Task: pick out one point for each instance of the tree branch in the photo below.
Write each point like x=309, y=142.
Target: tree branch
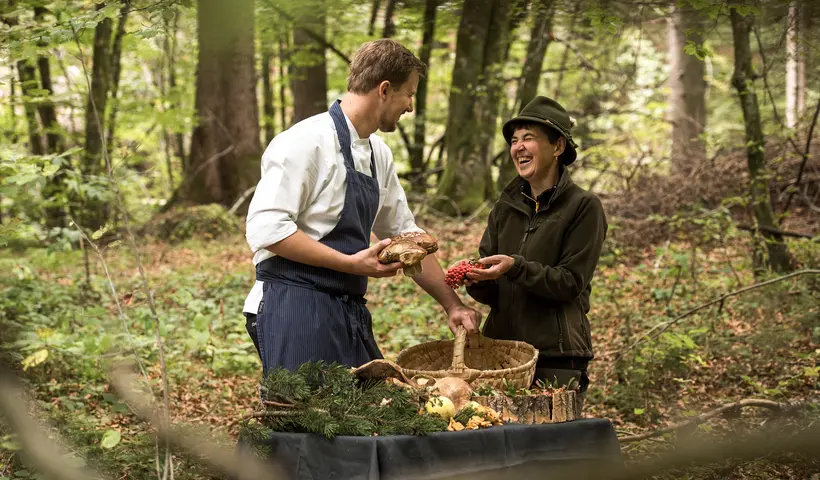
x=319, y=38
x=805, y=160
x=663, y=326
x=749, y=402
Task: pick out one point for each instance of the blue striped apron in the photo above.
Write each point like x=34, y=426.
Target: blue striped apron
x=313, y=313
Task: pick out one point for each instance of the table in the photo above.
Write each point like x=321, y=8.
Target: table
x=574, y=449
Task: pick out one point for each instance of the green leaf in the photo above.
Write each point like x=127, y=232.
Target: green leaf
x=35, y=359
x=639, y=411
x=99, y=233
x=110, y=439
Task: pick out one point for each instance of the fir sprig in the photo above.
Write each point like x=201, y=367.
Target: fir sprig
x=329, y=400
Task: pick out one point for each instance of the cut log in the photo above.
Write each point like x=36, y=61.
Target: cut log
x=559, y=407
x=571, y=405
x=525, y=409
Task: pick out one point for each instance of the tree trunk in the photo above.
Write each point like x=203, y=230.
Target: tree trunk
x=742, y=79
x=269, y=114
x=417, y=165
x=480, y=45
x=170, y=45
x=540, y=38
x=795, y=66
x=374, y=13
x=308, y=78
x=687, y=99
x=225, y=147
x=54, y=190
x=284, y=48
x=12, y=105
x=389, y=26
x=48, y=115
x=116, y=55
x=28, y=83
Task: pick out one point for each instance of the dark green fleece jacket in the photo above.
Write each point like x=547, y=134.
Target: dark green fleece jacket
x=544, y=298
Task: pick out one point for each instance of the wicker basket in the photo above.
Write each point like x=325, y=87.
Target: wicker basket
x=484, y=361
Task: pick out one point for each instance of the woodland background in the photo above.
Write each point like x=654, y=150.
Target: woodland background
x=130, y=139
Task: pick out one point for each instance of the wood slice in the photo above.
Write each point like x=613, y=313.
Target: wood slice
x=559, y=407
x=571, y=406
x=525, y=409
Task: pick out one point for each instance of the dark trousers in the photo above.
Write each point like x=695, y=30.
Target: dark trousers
x=250, y=326
x=559, y=371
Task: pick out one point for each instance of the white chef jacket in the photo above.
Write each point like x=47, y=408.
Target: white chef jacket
x=303, y=187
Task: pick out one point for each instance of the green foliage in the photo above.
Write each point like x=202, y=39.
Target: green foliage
x=330, y=400
x=206, y=222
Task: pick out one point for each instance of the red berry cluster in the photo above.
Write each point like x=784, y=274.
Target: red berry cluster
x=455, y=275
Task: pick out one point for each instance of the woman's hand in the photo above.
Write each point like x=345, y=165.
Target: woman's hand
x=497, y=265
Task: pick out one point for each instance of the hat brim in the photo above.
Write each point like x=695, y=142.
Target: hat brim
x=570, y=152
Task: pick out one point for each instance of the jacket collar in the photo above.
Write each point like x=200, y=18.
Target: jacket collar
x=513, y=195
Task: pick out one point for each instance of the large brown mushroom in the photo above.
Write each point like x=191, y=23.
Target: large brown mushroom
x=409, y=249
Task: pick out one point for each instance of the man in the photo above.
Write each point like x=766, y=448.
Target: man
x=327, y=182
x=541, y=246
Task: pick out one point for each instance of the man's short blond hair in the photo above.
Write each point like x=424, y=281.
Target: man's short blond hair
x=380, y=60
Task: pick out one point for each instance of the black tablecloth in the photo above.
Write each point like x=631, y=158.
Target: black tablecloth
x=575, y=449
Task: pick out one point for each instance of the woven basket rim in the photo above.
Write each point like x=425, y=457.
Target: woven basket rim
x=527, y=367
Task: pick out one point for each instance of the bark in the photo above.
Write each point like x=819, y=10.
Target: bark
x=283, y=60
x=269, y=114
x=795, y=67
x=116, y=56
x=53, y=209
x=540, y=38
x=94, y=210
x=12, y=105
x=777, y=254
x=480, y=45
x=687, y=100
x=28, y=83
x=308, y=75
x=170, y=55
x=417, y=164
x=225, y=147
x=97, y=98
x=48, y=114
x=389, y=26
x=374, y=13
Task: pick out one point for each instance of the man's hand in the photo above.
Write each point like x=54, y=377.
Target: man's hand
x=499, y=265
x=367, y=262
x=464, y=315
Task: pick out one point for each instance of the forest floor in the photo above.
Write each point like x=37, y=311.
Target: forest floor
x=65, y=329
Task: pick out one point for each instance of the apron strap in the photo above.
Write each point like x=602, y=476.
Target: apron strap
x=343, y=134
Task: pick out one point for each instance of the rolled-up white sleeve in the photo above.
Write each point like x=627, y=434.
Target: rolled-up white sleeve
x=289, y=175
x=395, y=216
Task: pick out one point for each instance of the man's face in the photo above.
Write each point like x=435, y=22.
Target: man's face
x=533, y=154
x=398, y=102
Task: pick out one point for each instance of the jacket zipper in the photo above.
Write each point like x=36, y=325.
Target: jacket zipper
x=560, y=331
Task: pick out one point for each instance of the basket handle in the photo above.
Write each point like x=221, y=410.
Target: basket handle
x=458, y=349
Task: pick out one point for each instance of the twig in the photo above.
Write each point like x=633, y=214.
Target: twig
x=241, y=199
x=227, y=461
x=319, y=38
x=699, y=452
x=749, y=402
x=38, y=448
x=663, y=326
x=774, y=231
